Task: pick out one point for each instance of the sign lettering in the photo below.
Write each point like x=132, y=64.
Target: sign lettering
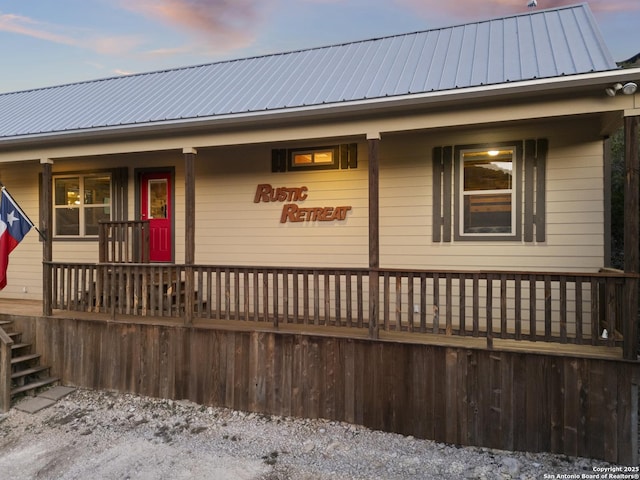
x=291, y=212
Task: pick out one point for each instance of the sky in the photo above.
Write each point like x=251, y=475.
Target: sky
x=53, y=42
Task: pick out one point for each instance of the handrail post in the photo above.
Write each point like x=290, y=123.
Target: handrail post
x=46, y=221
x=374, y=231
x=631, y=232
x=5, y=371
x=189, y=154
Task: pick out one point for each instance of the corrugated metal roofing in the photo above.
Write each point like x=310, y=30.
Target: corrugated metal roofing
x=538, y=44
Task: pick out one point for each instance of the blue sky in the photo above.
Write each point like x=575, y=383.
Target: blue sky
x=52, y=42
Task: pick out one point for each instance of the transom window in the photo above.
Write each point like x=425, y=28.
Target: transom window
x=80, y=202
x=488, y=197
x=314, y=158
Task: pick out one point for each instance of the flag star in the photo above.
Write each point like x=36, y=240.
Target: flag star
x=11, y=218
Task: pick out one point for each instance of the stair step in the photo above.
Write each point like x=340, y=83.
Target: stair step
x=16, y=346
x=25, y=358
x=34, y=385
x=14, y=335
x=5, y=322
x=29, y=371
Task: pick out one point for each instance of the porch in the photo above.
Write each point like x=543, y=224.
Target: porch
x=581, y=314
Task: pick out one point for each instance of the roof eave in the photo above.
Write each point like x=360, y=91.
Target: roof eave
x=380, y=104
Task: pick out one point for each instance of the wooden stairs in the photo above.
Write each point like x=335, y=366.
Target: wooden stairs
x=27, y=375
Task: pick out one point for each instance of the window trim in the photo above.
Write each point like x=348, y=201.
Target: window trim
x=334, y=165
x=517, y=192
x=81, y=220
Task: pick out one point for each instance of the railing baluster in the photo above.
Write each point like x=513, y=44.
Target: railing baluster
x=610, y=320
x=436, y=303
x=359, y=290
x=327, y=299
x=503, y=306
x=398, y=319
x=449, y=304
x=563, y=309
x=476, y=304
x=423, y=302
x=316, y=298
x=236, y=294
x=462, y=288
x=489, y=311
x=578, y=309
x=518, y=306
x=533, y=300
x=337, y=288
x=547, y=308
x=410, y=301
x=276, y=297
x=305, y=298
x=296, y=298
x=595, y=311
x=349, y=299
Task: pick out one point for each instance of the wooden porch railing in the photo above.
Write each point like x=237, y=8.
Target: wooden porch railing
x=123, y=242
x=5, y=371
x=574, y=308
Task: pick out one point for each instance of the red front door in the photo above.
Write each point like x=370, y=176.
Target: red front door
x=155, y=206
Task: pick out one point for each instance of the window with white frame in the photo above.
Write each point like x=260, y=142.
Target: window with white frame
x=487, y=190
x=80, y=202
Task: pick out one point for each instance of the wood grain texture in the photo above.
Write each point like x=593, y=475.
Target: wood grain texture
x=497, y=399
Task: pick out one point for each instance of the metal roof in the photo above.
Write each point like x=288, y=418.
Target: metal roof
x=538, y=44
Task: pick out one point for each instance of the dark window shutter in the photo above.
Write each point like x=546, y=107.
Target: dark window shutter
x=541, y=197
x=344, y=156
x=353, y=155
x=442, y=162
x=529, y=188
x=436, y=222
x=447, y=172
x=278, y=160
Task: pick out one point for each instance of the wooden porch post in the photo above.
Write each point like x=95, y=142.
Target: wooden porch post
x=631, y=238
x=46, y=221
x=374, y=234
x=189, y=234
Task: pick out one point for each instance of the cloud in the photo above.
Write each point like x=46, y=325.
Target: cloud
x=75, y=37
x=493, y=8
x=32, y=28
x=222, y=24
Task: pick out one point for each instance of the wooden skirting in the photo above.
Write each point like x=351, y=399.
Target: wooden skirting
x=469, y=396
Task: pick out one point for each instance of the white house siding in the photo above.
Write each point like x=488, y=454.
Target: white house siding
x=575, y=204
x=233, y=230
x=24, y=276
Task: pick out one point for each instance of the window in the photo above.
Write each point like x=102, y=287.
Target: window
x=487, y=189
x=80, y=202
x=315, y=158
x=490, y=192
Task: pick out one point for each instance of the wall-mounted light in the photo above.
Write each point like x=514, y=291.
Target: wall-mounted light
x=628, y=88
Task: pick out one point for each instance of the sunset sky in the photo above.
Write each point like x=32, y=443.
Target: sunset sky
x=52, y=42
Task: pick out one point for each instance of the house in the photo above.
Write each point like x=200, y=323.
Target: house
x=409, y=232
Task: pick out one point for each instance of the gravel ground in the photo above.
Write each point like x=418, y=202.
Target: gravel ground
x=104, y=435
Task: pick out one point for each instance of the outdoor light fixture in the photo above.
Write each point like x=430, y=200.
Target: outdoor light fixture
x=628, y=88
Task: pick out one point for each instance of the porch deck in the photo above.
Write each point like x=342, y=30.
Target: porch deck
x=11, y=308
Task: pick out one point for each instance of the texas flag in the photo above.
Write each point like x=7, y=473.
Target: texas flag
x=14, y=225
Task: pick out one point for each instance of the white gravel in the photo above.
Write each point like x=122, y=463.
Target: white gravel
x=104, y=435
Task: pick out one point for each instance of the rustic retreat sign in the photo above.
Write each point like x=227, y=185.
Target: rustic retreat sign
x=291, y=212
